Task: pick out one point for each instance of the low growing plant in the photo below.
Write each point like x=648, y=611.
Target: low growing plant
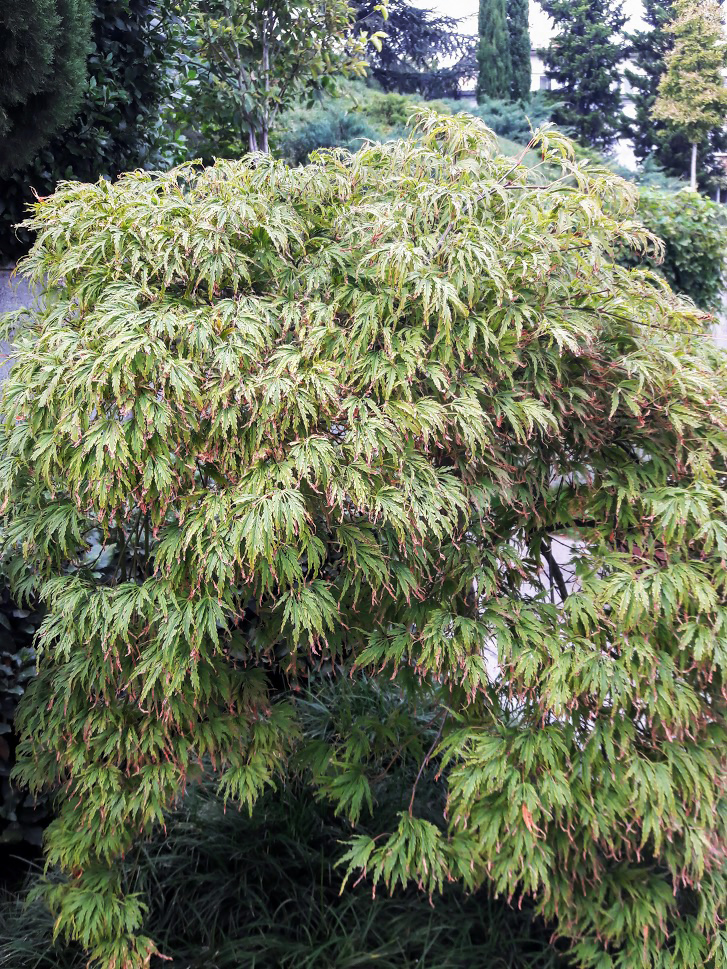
x=335, y=420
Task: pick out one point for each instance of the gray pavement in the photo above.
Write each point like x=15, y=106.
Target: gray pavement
x=14, y=294
x=14, y=291
x=720, y=331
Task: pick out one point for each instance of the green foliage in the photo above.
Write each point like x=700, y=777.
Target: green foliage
x=359, y=112
x=119, y=125
x=43, y=46
x=252, y=59
x=356, y=114
x=692, y=97
x=648, y=50
x=584, y=57
x=416, y=42
x=237, y=892
x=653, y=143
x=694, y=233
x=21, y=818
x=328, y=125
x=515, y=120
x=494, y=78
x=338, y=419
x=518, y=28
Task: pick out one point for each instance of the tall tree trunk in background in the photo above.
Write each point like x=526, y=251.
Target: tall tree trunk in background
x=693, y=178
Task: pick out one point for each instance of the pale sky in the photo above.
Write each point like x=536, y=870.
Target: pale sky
x=539, y=23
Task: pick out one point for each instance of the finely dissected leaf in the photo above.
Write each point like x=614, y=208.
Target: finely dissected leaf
x=382, y=472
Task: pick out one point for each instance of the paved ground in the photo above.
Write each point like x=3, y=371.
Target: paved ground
x=13, y=294
x=720, y=332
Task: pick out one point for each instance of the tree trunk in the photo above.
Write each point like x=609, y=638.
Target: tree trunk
x=264, y=146
x=693, y=179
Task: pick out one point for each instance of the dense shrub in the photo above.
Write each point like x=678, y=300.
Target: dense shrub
x=333, y=421
x=332, y=124
x=120, y=124
x=230, y=890
x=43, y=47
x=21, y=817
x=356, y=113
x=359, y=112
x=515, y=120
x=694, y=232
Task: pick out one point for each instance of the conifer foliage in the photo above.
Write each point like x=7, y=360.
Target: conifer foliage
x=692, y=97
x=334, y=420
x=43, y=47
x=415, y=41
x=518, y=29
x=584, y=59
x=493, y=51
x=650, y=136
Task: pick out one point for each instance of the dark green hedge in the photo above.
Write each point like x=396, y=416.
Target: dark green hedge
x=43, y=48
x=121, y=122
x=694, y=231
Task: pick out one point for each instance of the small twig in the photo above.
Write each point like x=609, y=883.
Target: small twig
x=554, y=569
x=630, y=319
x=425, y=762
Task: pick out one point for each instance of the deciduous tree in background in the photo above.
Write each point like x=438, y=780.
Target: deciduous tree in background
x=43, y=48
x=255, y=57
x=494, y=79
x=331, y=421
x=692, y=98
x=584, y=57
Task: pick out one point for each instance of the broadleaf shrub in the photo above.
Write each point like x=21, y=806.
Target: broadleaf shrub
x=694, y=232
x=22, y=817
x=233, y=890
x=395, y=414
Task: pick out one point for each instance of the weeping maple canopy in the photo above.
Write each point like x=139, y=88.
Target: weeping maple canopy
x=273, y=427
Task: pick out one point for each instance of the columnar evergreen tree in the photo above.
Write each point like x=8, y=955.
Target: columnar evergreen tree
x=518, y=28
x=494, y=79
x=43, y=48
x=648, y=49
x=584, y=58
x=417, y=41
x=335, y=420
x=133, y=69
x=692, y=97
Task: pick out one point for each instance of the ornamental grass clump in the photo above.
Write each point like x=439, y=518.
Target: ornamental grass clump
x=275, y=426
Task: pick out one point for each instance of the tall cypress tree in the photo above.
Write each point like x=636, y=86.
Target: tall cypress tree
x=493, y=51
x=518, y=29
x=583, y=58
